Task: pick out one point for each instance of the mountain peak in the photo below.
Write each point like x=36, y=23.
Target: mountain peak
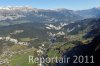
x=15, y=7
x=97, y=7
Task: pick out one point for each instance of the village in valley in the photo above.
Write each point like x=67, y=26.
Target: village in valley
x=15, y=41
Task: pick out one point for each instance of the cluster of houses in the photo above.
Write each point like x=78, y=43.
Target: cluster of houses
x=15, y=41
x=41, y=49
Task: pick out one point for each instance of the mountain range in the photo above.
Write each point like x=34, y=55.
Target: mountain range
x=27, y=30
x=17, y=15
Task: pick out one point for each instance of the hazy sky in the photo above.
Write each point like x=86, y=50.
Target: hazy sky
x=52, y=4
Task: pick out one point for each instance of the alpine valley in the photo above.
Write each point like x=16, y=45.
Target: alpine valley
x=28, y=31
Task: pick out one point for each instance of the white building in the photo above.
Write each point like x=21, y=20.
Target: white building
x=14, y=40
x=1, y=38
x=7, y=38
x=23, y=43
x=39, y=51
